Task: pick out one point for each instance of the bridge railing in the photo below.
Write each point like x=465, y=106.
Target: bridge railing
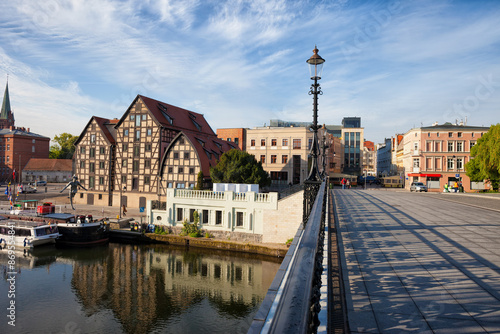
x=292, y=301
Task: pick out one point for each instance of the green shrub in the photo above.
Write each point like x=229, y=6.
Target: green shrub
x=191, y=229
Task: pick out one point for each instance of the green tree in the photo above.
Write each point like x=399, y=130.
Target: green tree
x=199, y=181
x=64, y=146
x=485, y=164
x=237, y=166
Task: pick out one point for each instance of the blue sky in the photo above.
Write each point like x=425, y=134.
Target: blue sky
x=241, y=63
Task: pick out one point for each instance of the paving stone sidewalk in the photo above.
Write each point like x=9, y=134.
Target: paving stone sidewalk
x=417, y=264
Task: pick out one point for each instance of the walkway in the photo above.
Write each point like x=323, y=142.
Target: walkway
x=415, y=263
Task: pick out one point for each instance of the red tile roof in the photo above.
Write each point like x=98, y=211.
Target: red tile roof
x=50, y=164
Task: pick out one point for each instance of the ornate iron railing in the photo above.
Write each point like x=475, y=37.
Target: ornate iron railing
x=292, y=301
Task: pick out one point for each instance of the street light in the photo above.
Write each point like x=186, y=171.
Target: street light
x=325, y=146
x=315, y=68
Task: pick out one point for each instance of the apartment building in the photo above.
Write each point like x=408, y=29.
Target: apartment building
x=436, y=155
x=283, y=152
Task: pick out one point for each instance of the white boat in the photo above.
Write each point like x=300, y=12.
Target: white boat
x=27, y=234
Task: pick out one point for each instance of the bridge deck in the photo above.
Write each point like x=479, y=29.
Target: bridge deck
x=415, y=263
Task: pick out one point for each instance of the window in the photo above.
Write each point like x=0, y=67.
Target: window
x=32, y=149
x=284, y=159
x=472, y=143
x=147, y=163
x=125, y=147
x=450, y=146
x=82, y=164
x=124, y=163
x=186, y=155
x=460, y=146
x=239, y=219
x=146, y=179
x=137, y=135
x=228, y=139
x=91, y=181
x=8, y=147
x=263, y=159
x=274, y=142
x=92, y=152
x=91, y=167
x=191, y=170
x=170, y=170
x=101, y=164
x=450, y=134
x=416, y=162
x=148, y=147
x=101, y=180
x=262, y=142
x=92, y=138
x=309, y=143
x=82, y=150
x=179, y=214
x=176, y=155
x=205, y=216
x=284, y=142
x=124, y=180
x=132, y=117
x=252, y=142
x=180, y=170
x=459, y=134
x=138, y=121
x=149, y=132
x=273, y=159
x=135, y=167
x=451, y=163
x=218, y=217
x=191, y=215
x=460, y=163
x=137, y=151
x=296, y=144
x=125, y=132
x=102, y=150
x=236, y=141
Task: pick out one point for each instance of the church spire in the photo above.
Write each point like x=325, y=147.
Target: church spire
x=6, y=116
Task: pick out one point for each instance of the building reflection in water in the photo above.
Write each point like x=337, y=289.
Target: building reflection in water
x=158, y=287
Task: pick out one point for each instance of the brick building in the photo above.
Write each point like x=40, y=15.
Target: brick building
x=17, y=145
x=235, y=135
x=153, y=146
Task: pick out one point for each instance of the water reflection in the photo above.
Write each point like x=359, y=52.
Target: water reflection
x=149, y=289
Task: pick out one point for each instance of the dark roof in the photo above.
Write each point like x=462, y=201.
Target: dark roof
x=171, y=116
x=49, y=164
x=450, y=126
x=21, y=132
x=6, y=111
x=209, y=149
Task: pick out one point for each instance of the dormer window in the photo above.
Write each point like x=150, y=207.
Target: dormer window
x=163, y=110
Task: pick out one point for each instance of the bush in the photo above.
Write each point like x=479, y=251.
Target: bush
x=191, y=229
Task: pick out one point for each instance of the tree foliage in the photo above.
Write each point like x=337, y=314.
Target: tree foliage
x=199, y=181
x=237, y=166
x=485, y=164
x=63, y=147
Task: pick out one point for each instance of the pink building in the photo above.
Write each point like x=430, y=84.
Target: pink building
x=436, y=155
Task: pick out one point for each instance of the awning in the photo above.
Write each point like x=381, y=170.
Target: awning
x=424, y=175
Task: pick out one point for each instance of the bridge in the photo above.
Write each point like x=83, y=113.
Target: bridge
x=389, y=262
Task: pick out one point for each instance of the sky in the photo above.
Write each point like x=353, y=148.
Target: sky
x=395, y=64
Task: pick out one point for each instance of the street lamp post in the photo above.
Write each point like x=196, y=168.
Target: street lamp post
x=315, y=68
x=313, y=181
x=325, y=146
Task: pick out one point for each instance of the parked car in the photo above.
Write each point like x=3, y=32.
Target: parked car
x=41, y=183
x=418, y=186
x=28, y=190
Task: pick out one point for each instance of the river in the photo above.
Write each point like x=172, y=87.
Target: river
x=123, y=288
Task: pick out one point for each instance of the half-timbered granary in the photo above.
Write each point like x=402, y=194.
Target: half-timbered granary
x=153, y=146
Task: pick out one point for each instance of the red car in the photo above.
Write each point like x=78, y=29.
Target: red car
x=46, y=208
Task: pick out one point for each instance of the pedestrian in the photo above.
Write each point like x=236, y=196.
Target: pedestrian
x=343, y=183
x=455, y=187
x=348, y=183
